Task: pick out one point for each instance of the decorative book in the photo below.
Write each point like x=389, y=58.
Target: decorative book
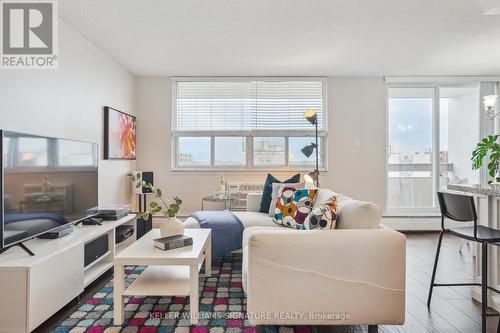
x=173, y=242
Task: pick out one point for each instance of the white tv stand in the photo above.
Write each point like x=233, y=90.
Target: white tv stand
x=33, y=288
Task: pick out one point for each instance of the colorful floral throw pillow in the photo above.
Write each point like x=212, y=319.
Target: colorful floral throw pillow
x=323, y=216
x=293, y=206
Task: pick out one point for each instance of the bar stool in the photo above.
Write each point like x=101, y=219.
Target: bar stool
x=461, y=208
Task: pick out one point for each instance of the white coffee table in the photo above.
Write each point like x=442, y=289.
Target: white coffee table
x=168, y=273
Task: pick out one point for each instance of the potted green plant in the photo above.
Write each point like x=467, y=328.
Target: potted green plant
x=488, y=147
x=170, y=225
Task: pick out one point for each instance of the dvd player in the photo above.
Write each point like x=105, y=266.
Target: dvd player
x=114, y=212
x=123, y=232
x=58, y=233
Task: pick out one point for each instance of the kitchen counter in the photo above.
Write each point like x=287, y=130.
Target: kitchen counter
x=486, y=189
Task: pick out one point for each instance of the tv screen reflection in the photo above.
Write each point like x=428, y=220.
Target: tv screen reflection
x=48, y=183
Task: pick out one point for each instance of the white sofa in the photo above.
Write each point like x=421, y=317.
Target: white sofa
x=353, y=275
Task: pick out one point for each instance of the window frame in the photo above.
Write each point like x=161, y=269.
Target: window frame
x=248, y=135
x=436, y=144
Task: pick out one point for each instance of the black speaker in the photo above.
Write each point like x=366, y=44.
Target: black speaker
x=143, y=226
x=146, y=176
x=95, y=249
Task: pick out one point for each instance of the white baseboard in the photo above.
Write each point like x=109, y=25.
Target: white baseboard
x=424, y=223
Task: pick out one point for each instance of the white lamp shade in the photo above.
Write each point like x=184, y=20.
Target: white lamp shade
x=311, y=177
x=309, y=113
x=489, y=101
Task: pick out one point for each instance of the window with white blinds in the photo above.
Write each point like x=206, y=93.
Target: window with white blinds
x=245, y=122
x=247, y=105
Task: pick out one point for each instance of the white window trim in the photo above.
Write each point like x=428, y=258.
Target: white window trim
x=398, y=81
x=248, y=135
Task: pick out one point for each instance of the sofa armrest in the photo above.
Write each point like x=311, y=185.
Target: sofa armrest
x=357, y=273
x=253, y=202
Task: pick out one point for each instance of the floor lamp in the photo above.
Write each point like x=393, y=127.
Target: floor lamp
x=312, y=176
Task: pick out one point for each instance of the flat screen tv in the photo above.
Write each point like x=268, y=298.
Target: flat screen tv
x=46, y=183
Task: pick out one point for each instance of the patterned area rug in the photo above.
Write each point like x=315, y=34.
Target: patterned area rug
x=222, y=307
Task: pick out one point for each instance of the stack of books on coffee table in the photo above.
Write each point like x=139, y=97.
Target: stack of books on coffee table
x=173, y=242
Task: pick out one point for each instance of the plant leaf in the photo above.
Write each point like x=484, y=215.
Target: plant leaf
x=481, y=151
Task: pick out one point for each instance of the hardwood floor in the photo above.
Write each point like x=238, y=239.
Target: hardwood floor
x=452, y=309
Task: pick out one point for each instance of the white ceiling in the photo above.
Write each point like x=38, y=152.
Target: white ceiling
x=292, y=37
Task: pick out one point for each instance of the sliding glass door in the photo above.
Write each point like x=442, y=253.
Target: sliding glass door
x=410, y=171
x=431, y=133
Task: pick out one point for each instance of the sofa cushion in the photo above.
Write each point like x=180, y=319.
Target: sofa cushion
x=276, y=190
x=351, y=213
x=324, y=194
x=293, y=206
x=323, y=216
x=356, y=214
x=268, y=189
x=248, y=219
x=256, y=219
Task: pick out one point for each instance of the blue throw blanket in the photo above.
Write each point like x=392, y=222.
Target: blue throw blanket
x=227, y=230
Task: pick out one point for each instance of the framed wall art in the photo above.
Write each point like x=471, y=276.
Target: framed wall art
x=119, y=135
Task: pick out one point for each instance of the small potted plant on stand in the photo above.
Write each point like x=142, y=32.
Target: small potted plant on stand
x=169, y=226
x=488, y=147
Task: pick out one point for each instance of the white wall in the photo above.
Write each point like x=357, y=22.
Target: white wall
x=356, y=107
x=68, y=103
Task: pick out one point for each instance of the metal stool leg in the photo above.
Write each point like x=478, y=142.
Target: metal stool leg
x=434, y=268
x=484, y=285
